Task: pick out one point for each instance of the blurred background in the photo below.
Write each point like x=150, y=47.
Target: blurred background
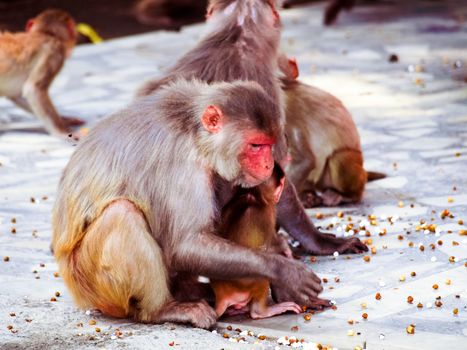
x=115, y=18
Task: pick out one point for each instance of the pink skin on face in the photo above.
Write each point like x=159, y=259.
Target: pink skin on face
x=256, y=158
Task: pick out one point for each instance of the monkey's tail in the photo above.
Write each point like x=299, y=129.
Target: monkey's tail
x=374, y=175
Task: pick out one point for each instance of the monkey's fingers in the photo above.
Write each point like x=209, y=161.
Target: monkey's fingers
x=354, y=246
x=318, y=304
x=327, y=244
x=72, y=121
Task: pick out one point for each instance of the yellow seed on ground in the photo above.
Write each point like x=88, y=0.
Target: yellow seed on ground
x=410, y=329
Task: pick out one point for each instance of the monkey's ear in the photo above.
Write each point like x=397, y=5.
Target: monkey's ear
x=293, y=68
x=279, y=189
x=29, y=25
x=209, y=11
x=212, y=119
x=71, y=27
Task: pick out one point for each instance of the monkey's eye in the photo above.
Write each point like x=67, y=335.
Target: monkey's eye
x=256, y=147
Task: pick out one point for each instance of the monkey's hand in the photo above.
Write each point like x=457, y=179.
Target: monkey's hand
x=281, y=246
x=314, y=303
x=327, y=244
x=298, y=284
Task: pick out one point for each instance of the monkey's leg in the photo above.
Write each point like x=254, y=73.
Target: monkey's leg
x=256, y=311
x=344, y=178
x=259, y=307
x=41, y=106
x=279, y=245
x=21, y=102
x=293, y=218
x=333, y=9
x=119, y=268
x=72, y=121
x=302, y=164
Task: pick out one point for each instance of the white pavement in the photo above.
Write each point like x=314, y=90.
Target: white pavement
x=412, y=118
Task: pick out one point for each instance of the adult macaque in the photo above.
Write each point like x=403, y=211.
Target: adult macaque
x=249, y=219
x=136, y=205
x=30, y=61
x=324, y=144
x=243, y=44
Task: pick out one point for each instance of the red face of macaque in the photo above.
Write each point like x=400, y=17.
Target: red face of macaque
x=256, y=159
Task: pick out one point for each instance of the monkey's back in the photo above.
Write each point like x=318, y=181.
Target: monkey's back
x=317, y=116
x=115, y=161
x=15, y=48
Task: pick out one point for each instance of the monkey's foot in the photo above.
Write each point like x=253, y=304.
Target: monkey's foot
x=310, y=199
x=199, y=314
x=273, y=310
x=318, y=304
x=331, y=198
x=237, y=311
x=72, y=121
x=327, y=244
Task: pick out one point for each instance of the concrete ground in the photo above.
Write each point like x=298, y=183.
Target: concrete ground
x=412, y=118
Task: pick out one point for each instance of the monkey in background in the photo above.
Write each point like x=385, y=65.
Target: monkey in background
x=333, y=8
x=324, y=144
x=249, y=219
x=30, y=61
x=169, y=13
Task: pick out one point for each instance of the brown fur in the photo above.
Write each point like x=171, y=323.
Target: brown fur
x=30, y=61
x=249, y=219
x=136, y=203
x=324, y=145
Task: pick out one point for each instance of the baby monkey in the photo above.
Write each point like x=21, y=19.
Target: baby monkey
x=30, y=61
x=249, y=219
